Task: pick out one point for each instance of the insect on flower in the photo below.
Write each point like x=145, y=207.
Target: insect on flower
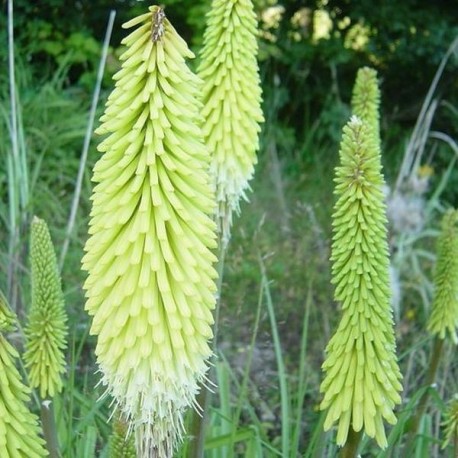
x=157, y=25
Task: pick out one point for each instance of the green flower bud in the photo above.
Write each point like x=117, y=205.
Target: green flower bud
x=122, y=445
x=444, y=315
x=362, y=381
x=232, y=102
x=19, y=430
x=46, y=330
x=365, y=102
x=151, y=282
x=450, y=423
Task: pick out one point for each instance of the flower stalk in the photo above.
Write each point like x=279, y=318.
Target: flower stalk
x=151, y=282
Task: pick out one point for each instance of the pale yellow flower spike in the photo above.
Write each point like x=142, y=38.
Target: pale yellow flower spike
x=151, y=282
x=232, y=103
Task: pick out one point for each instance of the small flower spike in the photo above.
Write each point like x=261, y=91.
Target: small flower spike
x=46, y=330
x=232, y=103
x=151, y=281
x=362, y=381
x=444, y=316
x=121, y=444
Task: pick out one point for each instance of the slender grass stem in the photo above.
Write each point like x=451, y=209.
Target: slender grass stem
x=200, y=419
x=246, y=373
x=350, y=449
x=49, y=428
x=87, y=140
x=282, y=378
x=13, y=162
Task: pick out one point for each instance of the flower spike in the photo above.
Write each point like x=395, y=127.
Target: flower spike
x=232, y=103
x=151, y=281
x=46, y=330
x=444, y=316
x=362, y=381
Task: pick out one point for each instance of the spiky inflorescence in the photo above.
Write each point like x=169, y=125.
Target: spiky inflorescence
x=46, y=330
x=122, y=445
x=365, y=102
x=19, y=430
x=362, y=381
x=444, y=316
x=232, y=103
x=450, y=424
x=151, y=282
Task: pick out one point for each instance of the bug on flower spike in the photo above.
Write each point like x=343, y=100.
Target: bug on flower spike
x=157, y=25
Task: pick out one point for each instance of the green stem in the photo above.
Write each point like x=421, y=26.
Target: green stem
x=350, y=449
x=436, y=354
x=49, y=428
x=200, y=419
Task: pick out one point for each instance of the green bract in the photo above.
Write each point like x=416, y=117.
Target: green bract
x=46, y=329
x=232, y=102
x=150, y=285
x=362, y=381
x=19, y=431
x=444, y=316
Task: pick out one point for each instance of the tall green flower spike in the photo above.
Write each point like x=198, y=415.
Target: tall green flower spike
x=365, y=102
x=151, y=282
x=362, y=381
x=46, y=330
x=232, y=103
x=19, y=430
x=444, y=316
